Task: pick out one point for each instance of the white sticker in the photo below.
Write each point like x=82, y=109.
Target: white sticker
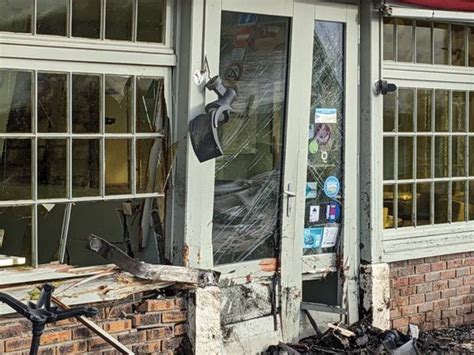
x=313, y=213
x=127, y=208
x=198, y=77
x=48, y=206
x=2, y=234
x=325, y=115
x=330, y=237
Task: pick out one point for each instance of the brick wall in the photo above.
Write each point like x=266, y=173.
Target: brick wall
x=435, y=292
x=155, y=326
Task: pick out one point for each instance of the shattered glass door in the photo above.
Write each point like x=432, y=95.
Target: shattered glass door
x=248, y=177
x=325, y=172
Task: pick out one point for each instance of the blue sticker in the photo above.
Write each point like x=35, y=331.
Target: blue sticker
x=247, y=19
x=331, y=186
x=311, y=191
x=333, y=212
x=313, y=237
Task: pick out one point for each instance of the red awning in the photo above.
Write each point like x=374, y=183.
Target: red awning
x=450, y=5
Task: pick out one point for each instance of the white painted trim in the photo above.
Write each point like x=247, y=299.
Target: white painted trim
x=266, y=7
x=423, y=14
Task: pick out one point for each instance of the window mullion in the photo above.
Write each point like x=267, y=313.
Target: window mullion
x=102, y=139
x=450, y=156
x=34, y=175
x=133, y=164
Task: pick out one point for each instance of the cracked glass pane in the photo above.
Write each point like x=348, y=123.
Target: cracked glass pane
x=254, y=60
x=324, y=195
x=15, y=235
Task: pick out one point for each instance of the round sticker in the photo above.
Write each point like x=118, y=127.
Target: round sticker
x=313, y=147
x=331, y=186
x=323, y=133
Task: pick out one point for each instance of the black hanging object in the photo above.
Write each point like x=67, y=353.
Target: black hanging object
x=203, y=128
x=384, y=87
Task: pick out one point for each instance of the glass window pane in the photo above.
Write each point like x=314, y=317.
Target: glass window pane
x=86, y=18
x=405, y=205
x=471, y=46
x=388, y=39
x=441, y=202
x=471, y=155
x=423, y=204
x=405, y=40
x=117, y=166
x=150, y=21
x=16, y=15
x=459, y=111
x=471, y=111
x=405, y=110
x=119, y=20
x=52, y=168
x=458, y=44
x=459, y=201
x=85, y=103
x=148, y=166
x=423, y=110
x=441, y=157
x=148, y=104
x=459, y=153
x=405, y=158
x=248, y=175
x=441, y=111
x=16, y=100
x=423, y=155
x=16, y=229
x=388, y=196
x=52, y=102
x=118, y=104
x=389, y=112
x=388, y=158
x=15, y=169
x=51, y=17
x=50, y=223
x=471, y=200
x=441, y=43
x=423, y=42
x=85, y=167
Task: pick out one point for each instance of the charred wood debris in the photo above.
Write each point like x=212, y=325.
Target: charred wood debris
x=362, y=338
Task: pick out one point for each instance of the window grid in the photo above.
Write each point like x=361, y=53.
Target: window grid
x=395, y=183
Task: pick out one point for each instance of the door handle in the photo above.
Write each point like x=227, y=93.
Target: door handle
x=289, y=196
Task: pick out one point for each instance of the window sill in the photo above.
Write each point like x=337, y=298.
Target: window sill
x=422, y=242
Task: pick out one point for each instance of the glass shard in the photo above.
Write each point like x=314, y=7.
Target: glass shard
x=118, y=104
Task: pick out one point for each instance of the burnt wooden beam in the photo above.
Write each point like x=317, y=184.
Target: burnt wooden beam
x=151, y=272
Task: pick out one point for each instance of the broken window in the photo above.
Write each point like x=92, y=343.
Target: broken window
x=248, y=177
x=90, y=139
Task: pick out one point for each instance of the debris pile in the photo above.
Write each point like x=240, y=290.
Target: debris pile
x=362, y=338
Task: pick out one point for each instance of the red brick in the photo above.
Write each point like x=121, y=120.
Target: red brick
x=433, y=276
x=441, y=323
x=456, y=320
x=171, y=343
x=463, y=271
x=399, y=282
x=407, y=291
x=132, y=337
x=73, y=347
x=408, y=310
x=469, y=298
x=16, y=344
x=180, y=303
x=432, y=296
x=416, y=261
x=433, y=315
x=416, y=279
x=451, y=292
x=81, y=333
x=439, y=265
x=399, y=264
x=463, y=290
x=469, y=318
x=406, y=271
x=416, y=299
x=400, y=322
x=424, y=288
x=395, y=313
x=454, y=264
x=464, y=309
x=425, y=307
x=174, y=316
x=423, y=268
x=432, y=259
x=146, y=319
x=157, y=305
x=117, y=325
x=469, y=280
x=10, y=331
x=47, y=350
x=417, y=319
x=446, y=313
x=440, y=304
x=180, y=329
x=448, y=274
x=399, y=301
x=453, y=283
x=456, y=301
x=440, y=285
x=55, y=337
x=97, y=343
x=117, y=311
x=159, y=333
x=146, y=348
